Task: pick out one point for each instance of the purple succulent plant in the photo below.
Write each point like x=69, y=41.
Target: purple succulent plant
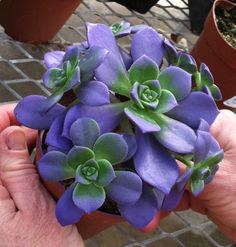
x=130, y=121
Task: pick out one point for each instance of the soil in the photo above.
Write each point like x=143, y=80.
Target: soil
x=226, y=21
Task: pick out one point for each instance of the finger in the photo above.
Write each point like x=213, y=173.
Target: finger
x=18, y=173
x=7, y=116
x=31, y=137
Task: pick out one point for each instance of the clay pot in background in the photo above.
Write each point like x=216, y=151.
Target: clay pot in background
x=212, y=49
x=35, y=21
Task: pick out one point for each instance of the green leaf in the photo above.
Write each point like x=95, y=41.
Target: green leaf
x=78, y=156
x=112, y=147
x=196, y=186
x=143, y=69
x=106, y=173
x=88, y=197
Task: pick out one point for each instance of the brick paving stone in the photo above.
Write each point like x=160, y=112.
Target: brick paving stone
x=5, y=95
x=172, y=223
x=8, y=73
x=33, y=70
x=194, y=238
x=70, y=35
x=212, y=230
x=26, y=88
x=193, y=218
x=36, y=51
x=136, y=234
x=111, y=237
x=9, y=51
x=165, y=242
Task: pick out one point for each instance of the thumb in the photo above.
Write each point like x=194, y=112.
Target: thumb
x=18, y=173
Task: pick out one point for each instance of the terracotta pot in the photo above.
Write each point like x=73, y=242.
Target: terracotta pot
x=35, y=21
x=212, y=49
x=90, y=224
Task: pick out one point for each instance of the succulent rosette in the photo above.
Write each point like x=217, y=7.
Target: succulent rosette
x=129, y=122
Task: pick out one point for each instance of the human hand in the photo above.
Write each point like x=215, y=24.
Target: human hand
x=218, y=200
x=27, y=212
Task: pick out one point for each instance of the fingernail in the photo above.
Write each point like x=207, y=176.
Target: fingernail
x=16, y=140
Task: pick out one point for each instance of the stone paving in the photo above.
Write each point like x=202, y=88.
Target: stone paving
x=21, y=69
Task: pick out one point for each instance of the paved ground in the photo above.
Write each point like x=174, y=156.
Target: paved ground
x=21, y=69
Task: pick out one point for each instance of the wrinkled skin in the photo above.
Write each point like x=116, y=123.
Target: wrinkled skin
x=27, y=212
x=217, y=201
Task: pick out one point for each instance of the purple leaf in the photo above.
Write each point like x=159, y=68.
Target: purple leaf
x=142, y=120
x=84, y=132
x=127, y=59
x=132, y=145
x=143, y=211
x=126, y=188
x=143, y=69
x=196, y=106
x=147, y=42
x=88, y=197
x=64, y=205
x=177, y=81
x=206, y=75
x=204, y=126
x=28, y=112
x=54, y=137
x=53, y=166
x=202, y=146
x=107, y=116
x=170, y=52
x=116, y=79
x=112, y=147
x=154, y=164
x=53, y=59
x=172, y=200
x=93, y=93
x=174, y=135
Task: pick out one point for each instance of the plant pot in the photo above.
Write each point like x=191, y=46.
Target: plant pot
x=212, y=49
x=35, y=21
x=90, y=224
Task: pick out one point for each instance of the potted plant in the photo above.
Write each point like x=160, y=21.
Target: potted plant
x=112, y=150
x=214, y=50
x=35, y=21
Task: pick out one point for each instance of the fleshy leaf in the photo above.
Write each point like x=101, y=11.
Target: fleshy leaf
x=106, y=173
x=127, y=59
x=203, y=105
x=53, y=59
x=88, y=197
x=202, y=146
x=152, y=161
x=143, y=69
x=53, y=166
x=116, y=79
x=132, y=145
x=107, y=116
x=54, y=137
x=167, y=102
x=93, y=93
x=64, y=205
x=147, y=42
x=90, y=60
x=197, y=186
x=126, y=188
x=170, y=52
x=143, y=211
x=78, y=156
x=206, y=75
x=174, y=135
x=142, y=120
x=112, y=147
x=28, y=112
x=172, y=200
x=84, y=132
x=177, y=81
